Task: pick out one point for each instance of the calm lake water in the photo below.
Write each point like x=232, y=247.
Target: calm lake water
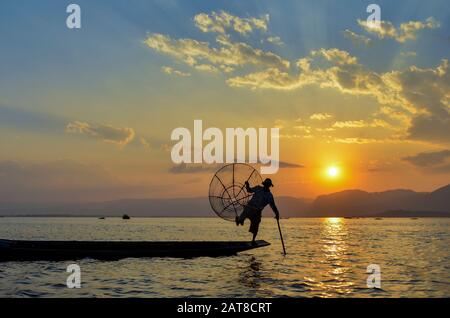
x=326, y=258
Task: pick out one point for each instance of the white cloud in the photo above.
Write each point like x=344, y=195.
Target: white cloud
x=357, y=140
x=320, y=116
x=171, y=71
x=304, y=128
x=357, y=39
x=417, y=97
x=276, y=40
x=205, y=57
x=350, y=124
x=106, y=133
x=223, y=21
x=360, y=124
x=271, y=78
x=210, y=68
x=406, y=31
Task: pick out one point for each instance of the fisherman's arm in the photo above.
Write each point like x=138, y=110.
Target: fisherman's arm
x=274, y=208
x=248, y=188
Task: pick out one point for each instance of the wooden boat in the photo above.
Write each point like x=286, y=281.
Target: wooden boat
x=113, y=250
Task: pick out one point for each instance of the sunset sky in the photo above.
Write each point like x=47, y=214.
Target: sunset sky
x=87, y=114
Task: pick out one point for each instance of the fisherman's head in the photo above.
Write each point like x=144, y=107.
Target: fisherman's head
x=267, y=183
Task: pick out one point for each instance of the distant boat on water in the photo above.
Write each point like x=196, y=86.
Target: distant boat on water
x=125, y=217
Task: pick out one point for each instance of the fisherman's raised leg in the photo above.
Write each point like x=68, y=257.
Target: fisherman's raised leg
x=241, y=218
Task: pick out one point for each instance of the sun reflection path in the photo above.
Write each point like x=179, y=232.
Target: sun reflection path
x=335, y=257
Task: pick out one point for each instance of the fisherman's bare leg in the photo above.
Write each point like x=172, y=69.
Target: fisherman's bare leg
x=241, y=218
x=254, y=227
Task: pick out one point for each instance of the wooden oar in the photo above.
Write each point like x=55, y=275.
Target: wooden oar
x=281, y=236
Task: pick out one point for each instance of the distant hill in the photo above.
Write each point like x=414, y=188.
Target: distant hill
x=389, y=203
x=349, y=203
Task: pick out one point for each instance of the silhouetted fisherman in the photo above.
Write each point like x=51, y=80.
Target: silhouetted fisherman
x=253, y=210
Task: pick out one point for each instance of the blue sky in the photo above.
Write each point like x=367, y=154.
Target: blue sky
x=38, y=41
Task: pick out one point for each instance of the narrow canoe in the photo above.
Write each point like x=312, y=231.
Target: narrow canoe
x=12, y=250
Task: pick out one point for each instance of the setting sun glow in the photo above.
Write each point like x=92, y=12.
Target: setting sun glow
x=333, y=172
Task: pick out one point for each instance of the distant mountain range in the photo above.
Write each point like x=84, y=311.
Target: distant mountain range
x=398, y=203
x=349, y=203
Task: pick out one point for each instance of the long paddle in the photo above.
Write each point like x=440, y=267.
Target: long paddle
x=281, y=236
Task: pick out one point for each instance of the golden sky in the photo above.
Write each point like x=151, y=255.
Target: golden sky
x=87, y=114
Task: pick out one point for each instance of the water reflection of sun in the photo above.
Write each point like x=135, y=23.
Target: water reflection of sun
x=334, y=237
x=335, y=253
x=333, y=220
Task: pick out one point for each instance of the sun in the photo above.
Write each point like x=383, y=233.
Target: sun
x=333, y=172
